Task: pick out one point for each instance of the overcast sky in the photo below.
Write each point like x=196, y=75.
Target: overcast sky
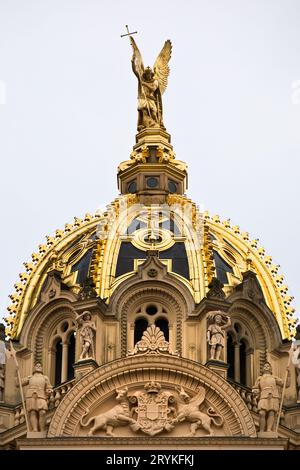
x=68, y=114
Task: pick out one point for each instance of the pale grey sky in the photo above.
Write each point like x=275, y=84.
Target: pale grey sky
x=68, y=116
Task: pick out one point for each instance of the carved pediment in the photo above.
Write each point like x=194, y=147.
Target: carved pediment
x=53, y=287
x=250, y=288
x=152, y=268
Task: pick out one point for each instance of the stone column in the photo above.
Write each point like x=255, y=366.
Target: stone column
x=64, y=362
x=249, y=367
x=51, y=361
x=130, y=340
x=237, y=375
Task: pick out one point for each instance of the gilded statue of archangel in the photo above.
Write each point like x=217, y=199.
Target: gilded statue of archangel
x=151, y=85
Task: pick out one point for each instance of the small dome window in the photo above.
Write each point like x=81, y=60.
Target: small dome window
x=152, y=182
x=132, y=187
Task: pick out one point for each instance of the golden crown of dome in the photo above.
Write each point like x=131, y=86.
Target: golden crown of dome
x=208, y=241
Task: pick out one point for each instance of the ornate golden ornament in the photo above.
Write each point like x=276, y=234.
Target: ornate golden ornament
x=144, y=239
x=151, y=85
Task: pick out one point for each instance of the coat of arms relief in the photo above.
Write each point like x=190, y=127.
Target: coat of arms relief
x=154, y=410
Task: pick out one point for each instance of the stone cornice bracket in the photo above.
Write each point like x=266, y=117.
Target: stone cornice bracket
x=153, y=342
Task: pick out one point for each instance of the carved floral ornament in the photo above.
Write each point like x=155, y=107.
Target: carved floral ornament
x=154, y=410
x=153, y=342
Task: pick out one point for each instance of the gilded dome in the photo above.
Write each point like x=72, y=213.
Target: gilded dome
x=101, y=251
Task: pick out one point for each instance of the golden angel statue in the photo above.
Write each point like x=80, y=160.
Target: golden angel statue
x=151, y=85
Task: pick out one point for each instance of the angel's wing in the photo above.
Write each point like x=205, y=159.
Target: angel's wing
x=137, y=61
x=161, y=68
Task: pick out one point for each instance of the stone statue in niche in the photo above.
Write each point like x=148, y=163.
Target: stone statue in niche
x=218, y=322
x=87, y=329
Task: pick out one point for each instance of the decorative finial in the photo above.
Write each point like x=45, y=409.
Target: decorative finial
x=249, y=262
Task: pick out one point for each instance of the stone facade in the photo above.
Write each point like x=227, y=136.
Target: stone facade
x=152, y=323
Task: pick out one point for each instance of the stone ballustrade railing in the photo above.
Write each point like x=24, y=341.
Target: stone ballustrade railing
x=247, y=395
x=58, y=393
x=19, y=415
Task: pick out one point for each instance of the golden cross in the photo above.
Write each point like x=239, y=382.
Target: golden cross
x=128, y=33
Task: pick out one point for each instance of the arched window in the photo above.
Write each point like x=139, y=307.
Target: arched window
x=230, y=357
x=58, y=361
x=163, y=325
x=151, y=312
x=71, y=356
x=239, y=355
x=62, y=352
x=140, y=325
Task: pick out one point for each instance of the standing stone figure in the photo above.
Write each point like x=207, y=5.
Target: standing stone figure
x=296, y=359
x=87, y=331
x=2, y=382
x=216, y=334
x=268, y=389
x=37, y=394
x=2, y=361
x=297, y=367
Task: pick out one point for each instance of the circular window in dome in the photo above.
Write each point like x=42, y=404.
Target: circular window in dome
x=151, y=310
x=172, y=186
x=132, y=187
x=152, y=182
